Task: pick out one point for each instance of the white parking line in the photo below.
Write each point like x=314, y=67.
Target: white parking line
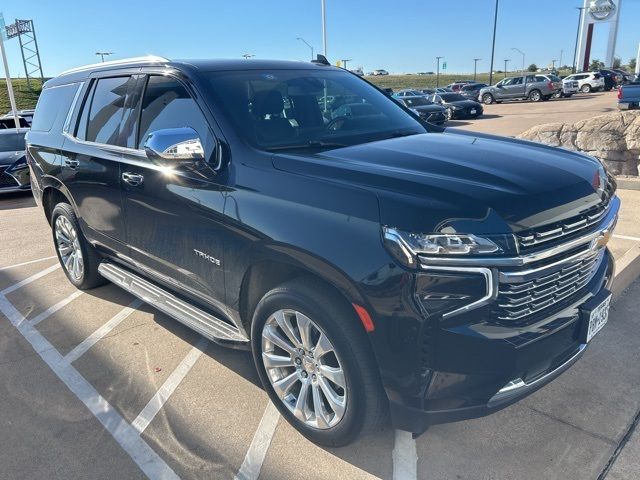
x=54, y=308
x=626, y=237
x=144, y=456
x=253, y=460
x=152, y=408
x=26, y=263
x=405, y=457
x=30, y=279
x=92, y=339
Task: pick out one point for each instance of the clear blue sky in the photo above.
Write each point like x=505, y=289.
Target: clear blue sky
x=400, y=36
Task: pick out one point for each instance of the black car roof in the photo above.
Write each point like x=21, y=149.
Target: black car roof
x=81, y=73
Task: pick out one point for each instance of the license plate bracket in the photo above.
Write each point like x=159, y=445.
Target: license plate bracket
x=594, y=315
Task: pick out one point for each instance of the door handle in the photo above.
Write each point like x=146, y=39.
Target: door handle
x=133, y=179
x=71, y=163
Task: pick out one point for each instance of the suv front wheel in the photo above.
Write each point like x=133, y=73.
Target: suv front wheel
x=586, y=88
x=316, y=363
x=487, y=99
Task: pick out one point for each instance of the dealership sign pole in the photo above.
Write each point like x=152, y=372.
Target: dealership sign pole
x=12, y=100
x=596, y=12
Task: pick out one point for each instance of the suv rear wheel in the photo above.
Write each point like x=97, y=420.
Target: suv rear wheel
x=535, y=95
x=78, y=258
x=586, y=88
x=315, y=362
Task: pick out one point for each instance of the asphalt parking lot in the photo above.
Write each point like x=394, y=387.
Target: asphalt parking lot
x=97, y=385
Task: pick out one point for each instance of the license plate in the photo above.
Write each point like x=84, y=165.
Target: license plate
x=597, y=319
x=473, y=112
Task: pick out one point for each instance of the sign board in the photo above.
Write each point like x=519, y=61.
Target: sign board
x=602, y=11
x=444, y=65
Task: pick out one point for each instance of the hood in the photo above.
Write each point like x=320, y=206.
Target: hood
x=465, y=103
x=9, y=158
x=429, y=108
x=471, y=182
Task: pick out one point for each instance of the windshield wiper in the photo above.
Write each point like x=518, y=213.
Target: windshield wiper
x=308, y=145
x=399, y=133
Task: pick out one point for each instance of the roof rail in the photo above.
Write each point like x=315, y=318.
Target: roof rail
x=124, y=61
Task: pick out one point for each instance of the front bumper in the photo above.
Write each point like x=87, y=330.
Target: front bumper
x=458, y=363
x=14, y=179
x=490, y=367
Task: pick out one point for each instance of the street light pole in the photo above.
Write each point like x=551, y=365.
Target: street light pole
x=12, y=99
x=344, y=62
x=553, y=65
x=505, y=66
x=493, y=45
x=575, y=50
x=521, y=53
x=438, y=72
x=560, y=62
x=102, y=54
x=324, y=27
x=475, y=67
x=307, y=44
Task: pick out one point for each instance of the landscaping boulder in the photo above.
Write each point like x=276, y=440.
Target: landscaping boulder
x=614, y=138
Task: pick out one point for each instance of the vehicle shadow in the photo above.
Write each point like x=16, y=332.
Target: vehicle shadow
x=9, y=201
x=371, y=453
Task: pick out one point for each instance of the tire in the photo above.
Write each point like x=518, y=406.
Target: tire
x=488, y=99
x=557, y=94
x=535, y=95
x=362, y=406
x=586, y=88
x=78, y=258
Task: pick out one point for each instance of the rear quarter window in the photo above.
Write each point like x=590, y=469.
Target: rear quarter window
x=53, y=107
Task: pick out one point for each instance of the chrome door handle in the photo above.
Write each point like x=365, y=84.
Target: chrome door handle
x=71, y=163
x=133, y=179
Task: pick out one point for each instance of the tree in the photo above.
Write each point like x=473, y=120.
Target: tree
x=632, y=64
x=532, y=68
x=596, y=64
x=617, y=62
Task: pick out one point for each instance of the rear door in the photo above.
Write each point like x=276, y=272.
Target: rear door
x=174, y=213
x=91, y=157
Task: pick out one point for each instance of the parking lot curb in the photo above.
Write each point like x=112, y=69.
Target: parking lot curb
x=628, y=270
x=627, y=182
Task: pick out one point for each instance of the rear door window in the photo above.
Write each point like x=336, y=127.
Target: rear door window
x=103, y=110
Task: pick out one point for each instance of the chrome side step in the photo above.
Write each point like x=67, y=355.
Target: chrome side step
x=202, y=322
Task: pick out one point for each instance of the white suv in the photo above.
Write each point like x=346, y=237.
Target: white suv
x=588, y=81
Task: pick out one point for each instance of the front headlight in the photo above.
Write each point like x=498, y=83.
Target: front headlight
x=406, y=245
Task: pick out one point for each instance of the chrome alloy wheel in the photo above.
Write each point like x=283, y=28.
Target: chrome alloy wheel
x=69, y=247
x=304, y=369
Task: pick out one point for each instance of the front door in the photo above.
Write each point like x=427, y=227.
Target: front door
x=174, y=213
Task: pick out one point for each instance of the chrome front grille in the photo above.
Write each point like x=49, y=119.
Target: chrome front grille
x=521, y=295
x=534, y=237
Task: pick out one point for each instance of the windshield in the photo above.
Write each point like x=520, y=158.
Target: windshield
x=416, y=101
x=451, y=97
x=12, y=142
x=278, y=109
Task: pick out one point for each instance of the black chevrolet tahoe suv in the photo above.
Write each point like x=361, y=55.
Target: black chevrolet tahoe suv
x=373, y=264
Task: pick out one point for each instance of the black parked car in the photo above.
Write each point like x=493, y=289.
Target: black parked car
x=611, y=79
x=458, y=106
x=425, y=109
x=14, y=171
x=472, y=91
x=370, y=263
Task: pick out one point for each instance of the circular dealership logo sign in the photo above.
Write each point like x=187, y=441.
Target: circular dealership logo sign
x=601, y=9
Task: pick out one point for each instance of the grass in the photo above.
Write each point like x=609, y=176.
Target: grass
x=399, y=82
x=25, y=97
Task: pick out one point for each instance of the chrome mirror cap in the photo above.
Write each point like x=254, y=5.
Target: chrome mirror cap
x=178, y=145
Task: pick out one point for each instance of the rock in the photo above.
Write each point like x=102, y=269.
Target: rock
x=614, y=138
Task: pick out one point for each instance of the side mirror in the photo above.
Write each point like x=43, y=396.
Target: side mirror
x=174, y=145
